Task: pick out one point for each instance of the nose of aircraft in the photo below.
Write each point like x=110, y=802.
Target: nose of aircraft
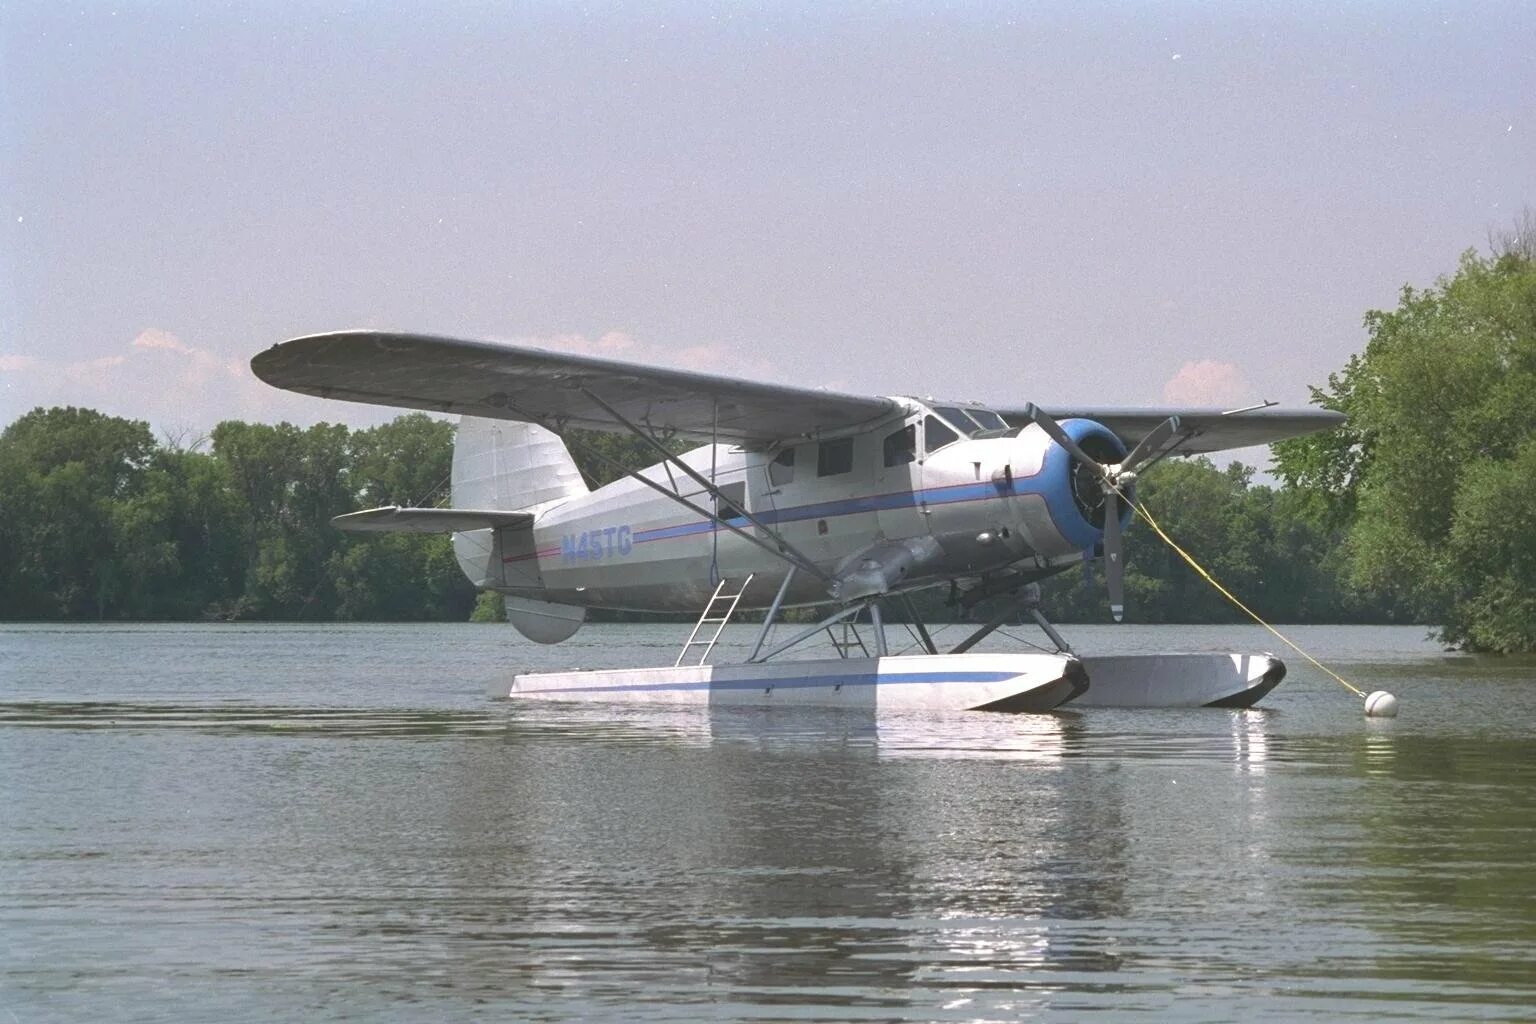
x=1088, y=491
x=1101, y=464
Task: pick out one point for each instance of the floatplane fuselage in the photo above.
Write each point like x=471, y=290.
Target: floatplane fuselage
x=906, y=504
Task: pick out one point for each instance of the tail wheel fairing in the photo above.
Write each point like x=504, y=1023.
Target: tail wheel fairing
x=544, y=622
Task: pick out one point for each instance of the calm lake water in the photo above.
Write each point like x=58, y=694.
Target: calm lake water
x=331, y=822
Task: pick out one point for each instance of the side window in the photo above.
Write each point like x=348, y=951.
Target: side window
x=733, y=498
x=901, y=447
x=782, y=469
x=834, y=457
x=936, y=434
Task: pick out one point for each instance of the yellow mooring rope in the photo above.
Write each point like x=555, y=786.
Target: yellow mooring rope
x=1141, y=510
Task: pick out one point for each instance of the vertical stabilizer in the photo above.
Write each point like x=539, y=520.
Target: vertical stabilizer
x=501, y=464
x=514, y=467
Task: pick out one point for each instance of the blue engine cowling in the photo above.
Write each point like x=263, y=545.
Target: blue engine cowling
x=1073, y=496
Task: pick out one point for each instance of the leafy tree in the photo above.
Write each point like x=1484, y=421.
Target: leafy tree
x=178, y=538
x=1440, y=412
x=63, y=469
x=1304, y=566
x=292, y=483
x=110, y=450
x=490, y=606
x=400, y=577
x=407, y=461
x=1493, y=544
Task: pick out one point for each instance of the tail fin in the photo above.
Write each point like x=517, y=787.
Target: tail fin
x=513, y=467
x=500, y=464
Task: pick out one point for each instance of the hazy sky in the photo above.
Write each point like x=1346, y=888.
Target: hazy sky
x=1123, y=204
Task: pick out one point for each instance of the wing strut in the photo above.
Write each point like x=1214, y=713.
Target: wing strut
x=786, y=551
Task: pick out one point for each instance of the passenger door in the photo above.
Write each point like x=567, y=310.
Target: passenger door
x=899, y=482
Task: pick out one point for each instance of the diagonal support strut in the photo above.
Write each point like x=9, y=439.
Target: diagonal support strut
x=785, y=550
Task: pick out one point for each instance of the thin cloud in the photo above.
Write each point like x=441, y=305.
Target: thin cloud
x=158, y=377
x=1207, y=382
x=154, y=337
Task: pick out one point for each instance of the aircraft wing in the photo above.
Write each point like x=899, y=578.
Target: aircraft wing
x=476, y=378
x=1202, y=430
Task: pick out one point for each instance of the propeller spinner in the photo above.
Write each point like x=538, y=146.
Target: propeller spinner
x=1111, y=478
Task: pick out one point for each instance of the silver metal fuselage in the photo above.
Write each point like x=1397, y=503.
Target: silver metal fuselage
x=986, y=503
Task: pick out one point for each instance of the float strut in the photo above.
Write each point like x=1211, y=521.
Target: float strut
x=1050, y=631
x=810, y=631
x=922, y=631
x=773, y=613
x=878, y=625
x=985, y=631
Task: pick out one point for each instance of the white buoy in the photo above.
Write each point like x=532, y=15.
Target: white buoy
x=1381, y=704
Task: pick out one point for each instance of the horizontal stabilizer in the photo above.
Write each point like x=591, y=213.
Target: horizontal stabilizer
x=394, y=519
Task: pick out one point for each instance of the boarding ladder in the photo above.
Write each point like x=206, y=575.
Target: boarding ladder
x=718, y=600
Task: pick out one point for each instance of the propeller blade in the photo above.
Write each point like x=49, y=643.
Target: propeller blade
x=1061, y=437
x=1150, y=445
x=1148, y=449
x=1114, y=557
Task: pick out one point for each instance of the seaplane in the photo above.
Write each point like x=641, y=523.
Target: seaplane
x=792, y=497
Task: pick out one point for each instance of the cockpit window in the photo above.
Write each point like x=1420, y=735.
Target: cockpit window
x=936, y=434
x=988, y=419
x=957, y=419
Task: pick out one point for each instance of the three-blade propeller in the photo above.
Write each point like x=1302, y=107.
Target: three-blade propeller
x=1112, y=480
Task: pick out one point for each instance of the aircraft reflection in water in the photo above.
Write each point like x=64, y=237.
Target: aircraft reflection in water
x=810, y=850
x=854, y=870
x=795, y=497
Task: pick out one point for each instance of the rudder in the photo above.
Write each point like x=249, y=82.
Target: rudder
x=514, y=467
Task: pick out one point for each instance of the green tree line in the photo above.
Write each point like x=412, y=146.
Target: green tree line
x=99, y=520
